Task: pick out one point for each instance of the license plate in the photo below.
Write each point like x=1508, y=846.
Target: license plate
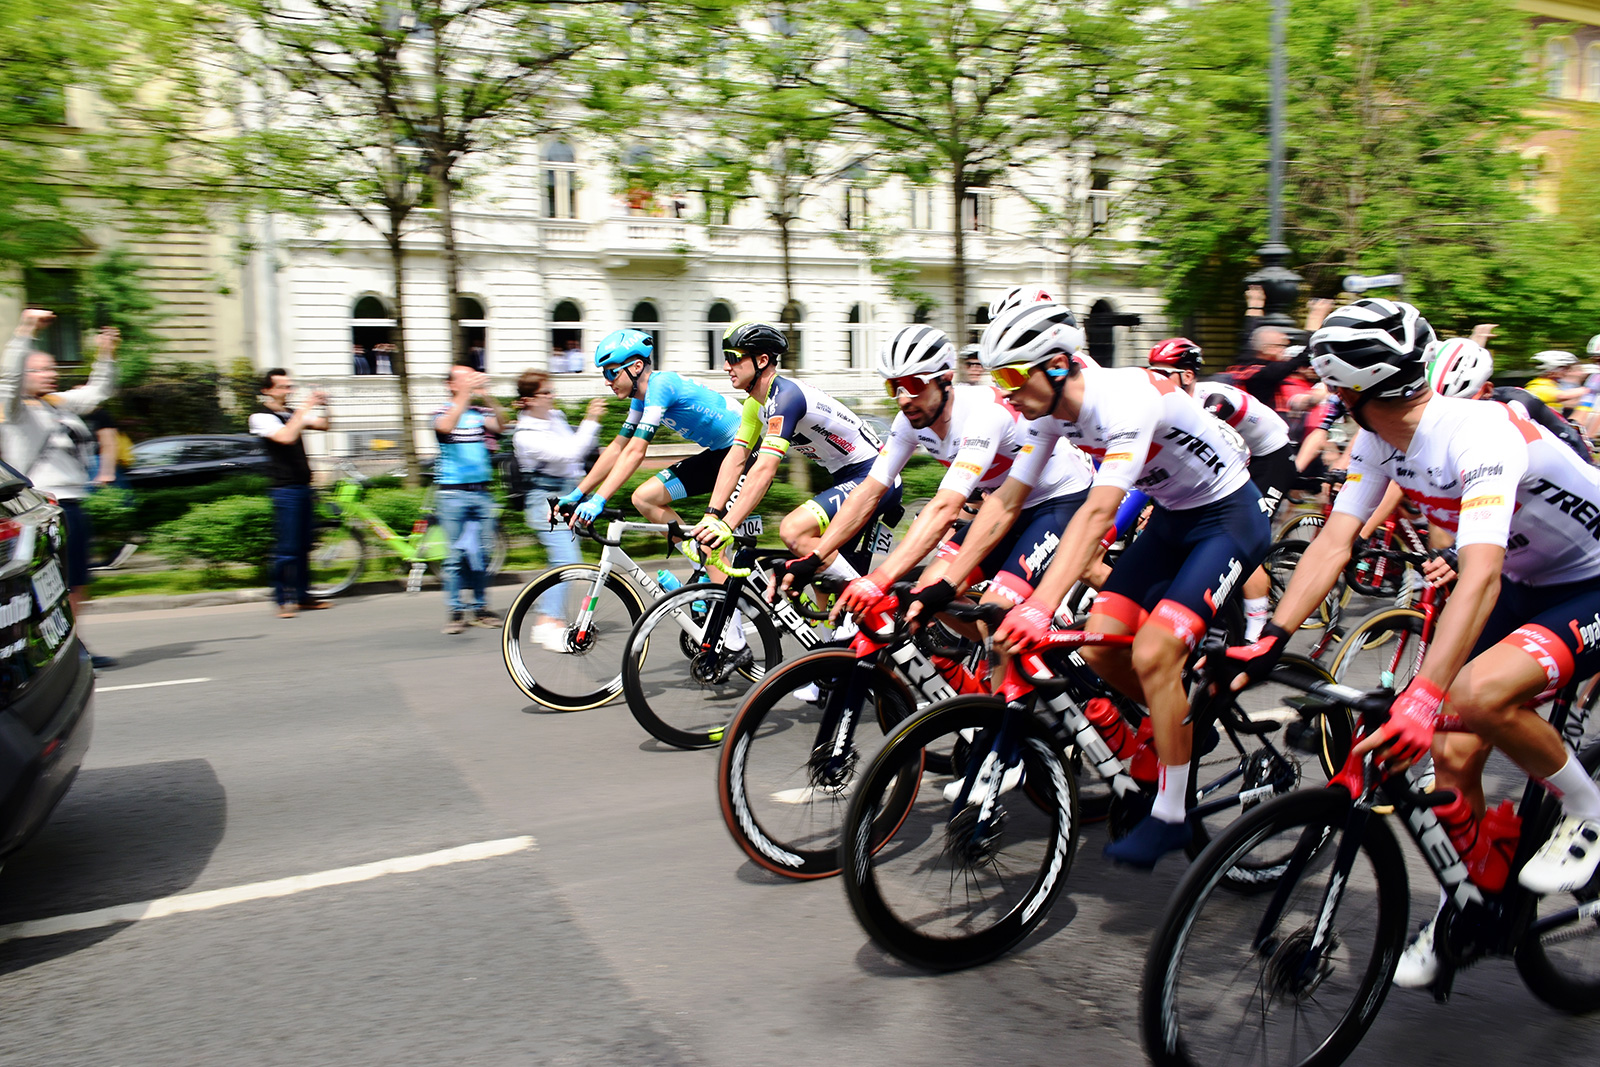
x=750, y=527
x=48, y=586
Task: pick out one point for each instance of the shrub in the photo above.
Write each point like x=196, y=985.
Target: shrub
x=157, y=506
x=113, y=513
x=236, y=529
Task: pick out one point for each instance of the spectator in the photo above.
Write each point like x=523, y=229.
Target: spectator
x=475, y=358
x=359, y=361
x=551, y=455
x=293, y=509
x=466, y=508
x=975, y=373
x=574, y=358
x=45, y=437
x=383, y=358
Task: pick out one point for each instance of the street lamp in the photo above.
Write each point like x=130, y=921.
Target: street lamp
x=1281, y=285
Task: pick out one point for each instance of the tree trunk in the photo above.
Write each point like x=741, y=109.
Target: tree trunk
x=790, y=311
x=444, y=202
x=408, y=429
x=958, y=257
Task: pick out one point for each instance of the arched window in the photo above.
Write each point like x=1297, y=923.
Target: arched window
x=566, y=338
x=718, y=316
x=474, y=322
x=855, y=338
x=1591, y=73
x=1100, y=331
x=560, y=181
x=1561, y=67
x=646, y=318
x=980, y=319
x=372, y=336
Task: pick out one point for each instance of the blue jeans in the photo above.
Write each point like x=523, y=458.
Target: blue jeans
x=470, y=512
x=292, y=514
x=560, y=546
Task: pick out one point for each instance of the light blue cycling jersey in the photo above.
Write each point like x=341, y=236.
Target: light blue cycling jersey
x=701, y=415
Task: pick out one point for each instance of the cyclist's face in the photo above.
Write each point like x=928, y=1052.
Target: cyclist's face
x=1035, y=398
x=623, y=383
x=920, y=410
x=742, y=370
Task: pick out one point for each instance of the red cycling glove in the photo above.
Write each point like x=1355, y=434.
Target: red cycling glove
x=1025, y=625
x=1259, y=657
x=864, y=593
x=1411, y=718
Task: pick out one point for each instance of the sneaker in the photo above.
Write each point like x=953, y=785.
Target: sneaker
x=1419, y=963
x=1567, y=861
x=455, y=624
x=1149, y=841
x=551, y=635
x=487, y=619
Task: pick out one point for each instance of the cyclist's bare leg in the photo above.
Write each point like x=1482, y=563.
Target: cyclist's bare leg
x=1458, y=761
x=1114, y=664
x=1491, y=695
x=653, y=501
x=800, y=531
x=1158, y=659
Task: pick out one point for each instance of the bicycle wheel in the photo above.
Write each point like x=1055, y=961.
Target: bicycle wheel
x=1280, y=563
x=958, y=886
x=780, y=799
x=1559, y=955
x=1247, y=768
x=1304, y=527
x=1227, y=982
x=682, y=694
x=336, y=559
x=1384, y=650
x=584, y=670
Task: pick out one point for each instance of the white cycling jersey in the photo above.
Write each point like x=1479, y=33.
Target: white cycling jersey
x=1490, y=475
x=1147, y=434
x=1263, y=429
x=982, y=441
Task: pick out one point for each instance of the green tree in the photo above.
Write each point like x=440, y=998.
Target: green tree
x=1403, y=123
x=112, y=291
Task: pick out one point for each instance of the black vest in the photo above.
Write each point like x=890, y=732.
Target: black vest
x=287, y=464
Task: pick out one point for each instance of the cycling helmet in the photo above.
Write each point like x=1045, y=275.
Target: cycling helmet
x=1375, y=348
x=1459, y=367
x=1552, y=359
x=1029, y=334
x=1175, y=353
x=755, y=338
x=1018, y=296
x=916, y=351
x=620, y=347
x=1594, y=346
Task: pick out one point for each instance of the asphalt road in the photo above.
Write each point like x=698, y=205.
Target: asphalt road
x=631, y=932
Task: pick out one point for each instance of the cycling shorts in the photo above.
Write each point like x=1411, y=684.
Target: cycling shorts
x=1185, y=564
x=1558, y=625
x=1274, y=475
x=826, y=504
x=694, y=475
x=1026, y=550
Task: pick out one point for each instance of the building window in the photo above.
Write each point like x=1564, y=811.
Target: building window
x=922, y=314
x=1099, y=198
x=855, y=207
x=977, y=211
x=560, y=182
x=921, y=213
x=56, y=290
x=980, y=319
x=1591, y=73
x=1561, y=67
x=648, y=320
x=855, y=338
x=372, y=336
x=717, y=320
x=566, y=338
x=474, y=323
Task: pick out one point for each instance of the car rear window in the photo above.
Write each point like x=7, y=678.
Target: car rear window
x=11, y=483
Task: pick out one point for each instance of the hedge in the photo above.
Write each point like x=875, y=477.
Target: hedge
x=235, y=530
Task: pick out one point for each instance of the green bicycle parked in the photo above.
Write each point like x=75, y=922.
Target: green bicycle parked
x=346, y=526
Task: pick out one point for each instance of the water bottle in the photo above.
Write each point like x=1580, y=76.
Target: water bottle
x=668, y=580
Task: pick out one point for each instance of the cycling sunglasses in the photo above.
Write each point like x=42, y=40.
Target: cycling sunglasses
x=912, y=385
x=1012, y=376
x=734, y=355
x=612, y=372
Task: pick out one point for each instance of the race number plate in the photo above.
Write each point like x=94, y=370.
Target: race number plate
x=750, y=527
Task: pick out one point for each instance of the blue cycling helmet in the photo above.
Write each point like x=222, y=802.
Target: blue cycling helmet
x=620, y=347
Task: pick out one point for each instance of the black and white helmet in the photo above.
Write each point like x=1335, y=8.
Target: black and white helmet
x=1018, y=296
x=1374, y=347
x=919, y=351
x=1029, y=334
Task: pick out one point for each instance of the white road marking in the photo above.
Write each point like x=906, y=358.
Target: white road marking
x=148, y=685
x=280, y=887
x=802, y=795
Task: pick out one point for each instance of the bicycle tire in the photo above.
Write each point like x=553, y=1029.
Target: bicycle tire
x=1303, y=527
x=684, y=709
x=1381, y=651
x=1280, y=562
x=978, y=918
x=565, y=681
x=779, y=812
x=338, y=554
x=1549, y=976
x=1207, y=940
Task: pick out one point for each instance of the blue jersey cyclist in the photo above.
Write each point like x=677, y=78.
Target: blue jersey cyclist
x=658, y=398
x=779, y=414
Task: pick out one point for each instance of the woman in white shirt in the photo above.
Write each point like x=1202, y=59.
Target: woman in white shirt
x=552, y=455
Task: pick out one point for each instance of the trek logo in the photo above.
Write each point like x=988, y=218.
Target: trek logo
x=1581, y=510
x=1041, y=552
x=1442, y=857
x=1226, y=580
x=921, y=673
x=1588, y=634
x=1197, y=448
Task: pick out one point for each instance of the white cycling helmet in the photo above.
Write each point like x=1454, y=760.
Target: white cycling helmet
x=1553, y=359
x=919, y=351
x=1018, y=296
x=1459, y=367
x=1594, y=346
x=1373, y=347
x=1029, y=334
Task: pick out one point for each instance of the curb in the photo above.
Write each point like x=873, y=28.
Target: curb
x=262, y=594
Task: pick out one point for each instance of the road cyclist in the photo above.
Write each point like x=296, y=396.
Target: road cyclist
x=1207, y=531
x=1525, y=615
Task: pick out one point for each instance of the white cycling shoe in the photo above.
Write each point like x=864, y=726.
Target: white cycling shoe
x=1567, y=861
x=552, y=635
x=1419, y=963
